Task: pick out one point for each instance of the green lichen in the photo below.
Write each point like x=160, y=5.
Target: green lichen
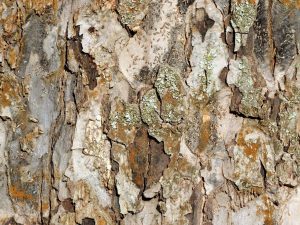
x=150, y=107
x=124, y=121
x=289, y=119
x=198, y=97
x=208, y=66
x=132, y=12
x=113, y=119
x=209, y=57
x=288, y=126
x=157, y=133
x=171, y=113
x=252, y=99
x=168, y=79
x=245, y=81
x=244, y=15
x=129, y=115
x=294, y=97
x=269, y=126
x=208, y=82
x=170, y=89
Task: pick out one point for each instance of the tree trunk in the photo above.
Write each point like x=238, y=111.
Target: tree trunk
x=144, y=112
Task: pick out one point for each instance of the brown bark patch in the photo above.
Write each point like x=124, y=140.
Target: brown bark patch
x=291, y=3
x=138, y=157
x=205, y=132
x=158, y=162
x=267, y=210
x=68, y=205
x=86, y=62
x=250, y=148
x=8, y=92
x=15, y=192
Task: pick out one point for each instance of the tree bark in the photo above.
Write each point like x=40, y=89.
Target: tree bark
x=149, y=112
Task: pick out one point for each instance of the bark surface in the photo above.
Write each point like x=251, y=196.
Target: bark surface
x=139, y=112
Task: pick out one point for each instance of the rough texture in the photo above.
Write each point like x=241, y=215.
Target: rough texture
x=149, y=112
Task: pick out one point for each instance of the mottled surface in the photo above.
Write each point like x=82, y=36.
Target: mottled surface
x=149, y=112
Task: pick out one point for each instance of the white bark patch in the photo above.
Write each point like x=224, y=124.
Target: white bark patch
x=289, y=214
x=147, y=49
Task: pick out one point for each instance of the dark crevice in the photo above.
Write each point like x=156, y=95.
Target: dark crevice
x=275, y=107
x=66, y=67
x=183, y=5
x=223, y=75
x=85, y=60
x=263, y=173
x=288, y=185
x=56, y=130
x=205, y=24
x=239, y=114
x=88, y=221
x=115, y=203
x=235, y=104
x=236, y=99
